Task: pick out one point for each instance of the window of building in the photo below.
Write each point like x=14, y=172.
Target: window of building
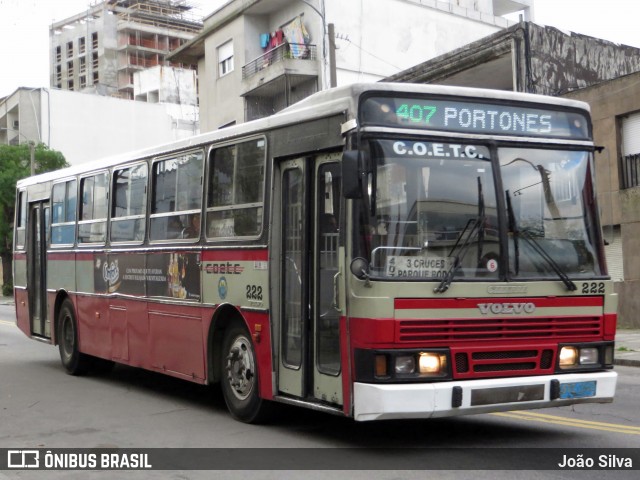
x=82, y=45
x=96, y=78
x=63, y=213
x=94, y=40
x=70, y=68
x=236, y=187
x=94, y=60
x=129, y=204
x=70, y=85
x=69, y=49
x=58, y=53
x=58, y=73
x=83, y=64
x=225, y=58
x=630, y=151
x=92, y=227
x=177, y=197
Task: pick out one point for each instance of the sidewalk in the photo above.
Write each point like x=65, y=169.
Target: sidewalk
x=627, y=350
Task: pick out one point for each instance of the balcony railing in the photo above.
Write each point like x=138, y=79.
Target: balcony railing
x=294, y=51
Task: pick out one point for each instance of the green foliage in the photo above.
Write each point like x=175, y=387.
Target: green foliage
x=15, y=164
x=7, y=289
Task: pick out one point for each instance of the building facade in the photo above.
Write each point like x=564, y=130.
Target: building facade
x=615, y=109
x=89, y=127
x=256, y=57
x=100, y=50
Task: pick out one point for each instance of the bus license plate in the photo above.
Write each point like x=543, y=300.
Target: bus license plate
x=578, y=389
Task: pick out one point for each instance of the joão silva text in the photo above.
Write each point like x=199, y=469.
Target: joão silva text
x=604, y=461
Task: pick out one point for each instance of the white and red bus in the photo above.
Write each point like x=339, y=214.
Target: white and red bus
x=375, y=251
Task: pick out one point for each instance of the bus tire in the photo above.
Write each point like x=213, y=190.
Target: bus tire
x=240, y=377
x=74, y=362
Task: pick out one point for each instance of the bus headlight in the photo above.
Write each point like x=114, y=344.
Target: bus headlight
x=581, y=357
x=431, y=363
x=568, y=357
x=405, y=364
x=588, y=356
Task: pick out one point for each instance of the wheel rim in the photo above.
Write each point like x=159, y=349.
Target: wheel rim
x=240, y=368
x=68, y=337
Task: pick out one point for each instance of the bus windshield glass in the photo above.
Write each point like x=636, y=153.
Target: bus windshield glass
x=431, y=213
x=432, y=206
x=551, y=213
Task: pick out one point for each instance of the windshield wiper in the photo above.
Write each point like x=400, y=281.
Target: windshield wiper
x=535, y=246
x=475, y=226
x=533, y=243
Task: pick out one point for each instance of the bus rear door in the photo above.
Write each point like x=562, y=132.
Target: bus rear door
x=37, y=269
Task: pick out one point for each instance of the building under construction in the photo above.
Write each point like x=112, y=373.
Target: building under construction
x=99, y=50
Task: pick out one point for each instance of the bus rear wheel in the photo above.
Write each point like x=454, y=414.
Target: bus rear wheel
x=74, y=362
x=240, y=377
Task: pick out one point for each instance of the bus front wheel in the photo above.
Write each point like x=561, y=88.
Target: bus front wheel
x=74, y=362
x=240, y=377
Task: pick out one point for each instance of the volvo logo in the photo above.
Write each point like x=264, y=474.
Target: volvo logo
x=506, y=308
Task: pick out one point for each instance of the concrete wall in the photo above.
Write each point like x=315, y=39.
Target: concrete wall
x=385, y=37
x=90, y=127
x=561, y=63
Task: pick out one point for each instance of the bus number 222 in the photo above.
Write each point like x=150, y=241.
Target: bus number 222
x=254, y=292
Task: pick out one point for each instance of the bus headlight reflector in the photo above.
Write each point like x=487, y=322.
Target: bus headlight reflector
x=568, y=357
x=589, y=356
x=405, y=364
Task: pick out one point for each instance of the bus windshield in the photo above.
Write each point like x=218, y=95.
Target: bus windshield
x=434, y=207
x=551, y=213
x=432, y=213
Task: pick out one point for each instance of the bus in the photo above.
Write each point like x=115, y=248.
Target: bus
x=376, y=251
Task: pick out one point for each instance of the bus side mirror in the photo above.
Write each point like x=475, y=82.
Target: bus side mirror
x=351, y=174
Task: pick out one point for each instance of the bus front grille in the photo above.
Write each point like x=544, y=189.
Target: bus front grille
x=469, y=363
x=451, y=330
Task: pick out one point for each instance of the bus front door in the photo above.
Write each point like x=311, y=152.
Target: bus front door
x=37, y=269
x=308, y=315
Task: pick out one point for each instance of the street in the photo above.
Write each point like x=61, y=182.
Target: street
x=42, y=407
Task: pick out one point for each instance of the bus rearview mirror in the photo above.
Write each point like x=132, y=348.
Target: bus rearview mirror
x=352, y=174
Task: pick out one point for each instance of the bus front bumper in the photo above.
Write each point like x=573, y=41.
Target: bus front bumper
x=432, y=400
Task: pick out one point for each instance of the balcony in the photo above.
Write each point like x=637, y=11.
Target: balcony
x=286, y=51
x=286, y=60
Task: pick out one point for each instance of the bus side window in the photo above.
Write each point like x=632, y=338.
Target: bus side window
x=129, y=204
x=176, y=197
x=63, y=213
x=92, y=227
x=236, y=190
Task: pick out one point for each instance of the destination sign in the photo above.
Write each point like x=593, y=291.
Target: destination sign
x=473, y=117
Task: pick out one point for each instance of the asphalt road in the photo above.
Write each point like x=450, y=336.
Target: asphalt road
x=42, y=407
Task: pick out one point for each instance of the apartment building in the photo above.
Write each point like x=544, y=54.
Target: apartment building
x=99, y=50
x=256, y=57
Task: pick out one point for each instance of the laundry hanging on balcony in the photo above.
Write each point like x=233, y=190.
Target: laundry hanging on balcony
x=297, y=37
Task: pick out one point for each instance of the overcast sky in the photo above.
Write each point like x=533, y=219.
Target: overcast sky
x=24, y=29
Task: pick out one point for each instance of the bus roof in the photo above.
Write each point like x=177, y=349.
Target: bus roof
x=318, y=105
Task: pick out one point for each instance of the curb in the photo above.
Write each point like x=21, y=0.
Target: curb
x=626, y=362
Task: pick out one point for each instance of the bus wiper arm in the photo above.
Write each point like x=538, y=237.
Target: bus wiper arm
x=473, y=227
x=535, y=245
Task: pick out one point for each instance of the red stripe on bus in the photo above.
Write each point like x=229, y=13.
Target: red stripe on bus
x=459, y=303
x=235, y=255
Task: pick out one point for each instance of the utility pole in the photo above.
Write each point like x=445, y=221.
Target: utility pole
x=333, y=82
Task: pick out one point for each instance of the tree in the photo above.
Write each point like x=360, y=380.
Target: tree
x=15, y=161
